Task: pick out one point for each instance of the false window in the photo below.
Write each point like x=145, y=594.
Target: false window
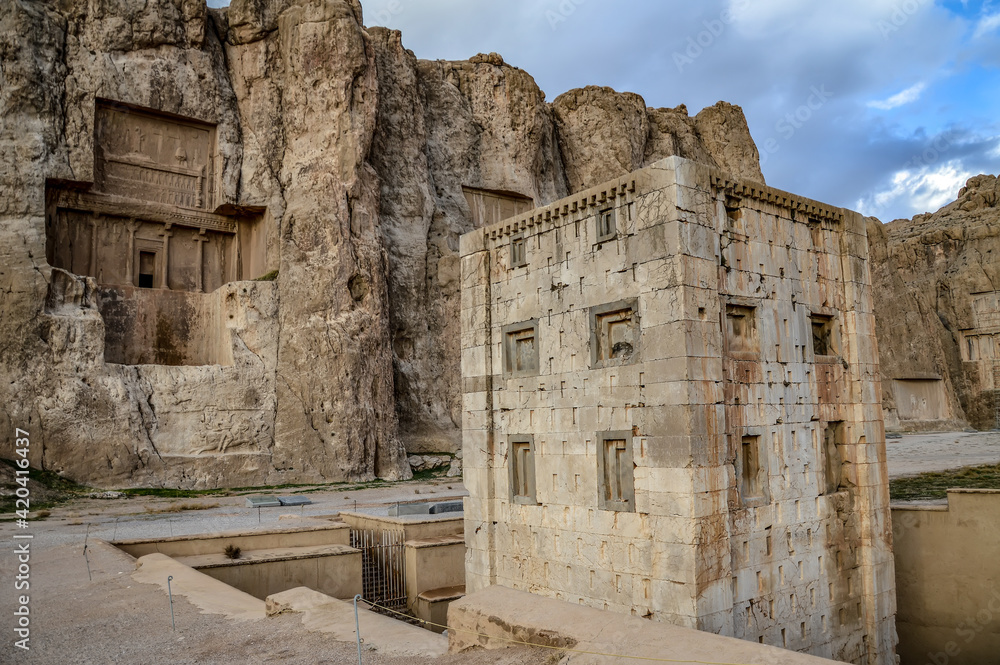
x=520, y=349
x=741, y=330
x=606, y=225
x=752, y=472
x=614, y=334
x=522, y=469
x=833, y=439
x=824, y=335
x=518, y=252
x=616, y=471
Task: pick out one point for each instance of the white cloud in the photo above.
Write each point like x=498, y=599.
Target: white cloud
x=917, y=191
x=827, y=24
x=987, y=24
x=911, y=94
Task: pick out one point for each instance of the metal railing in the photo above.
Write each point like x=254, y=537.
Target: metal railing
x=383, y=566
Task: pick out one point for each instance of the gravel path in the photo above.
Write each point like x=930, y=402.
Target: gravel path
x=917, y=453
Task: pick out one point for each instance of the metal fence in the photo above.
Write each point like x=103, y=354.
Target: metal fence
x=383, y=566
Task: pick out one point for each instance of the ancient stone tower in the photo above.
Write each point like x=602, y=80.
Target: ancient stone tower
x=671, y=409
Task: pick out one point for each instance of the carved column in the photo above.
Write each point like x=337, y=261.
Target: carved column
x=93, y=246
x=133, y=226
x=201, y=190
x=166, y=233
x=201, y=238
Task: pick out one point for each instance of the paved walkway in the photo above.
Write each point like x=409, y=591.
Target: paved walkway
x=917, y=453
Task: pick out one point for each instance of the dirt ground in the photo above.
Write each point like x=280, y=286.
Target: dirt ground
x=113, y=619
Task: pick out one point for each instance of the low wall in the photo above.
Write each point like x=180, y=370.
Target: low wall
x=434, y=564
x=334, y=570
x=413, y=528
x=948, y=580
x=215, y=543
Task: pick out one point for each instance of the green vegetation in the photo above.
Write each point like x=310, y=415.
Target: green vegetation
x=46, y=488
x=430, y=474
x=269, y=277
x=300, y=488
x=934, y=485
x=169, y=493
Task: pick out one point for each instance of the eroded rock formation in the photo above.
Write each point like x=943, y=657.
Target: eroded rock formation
x=936, y=285
x=350, y=157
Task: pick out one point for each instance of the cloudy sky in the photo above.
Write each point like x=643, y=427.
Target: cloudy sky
x=884, y=106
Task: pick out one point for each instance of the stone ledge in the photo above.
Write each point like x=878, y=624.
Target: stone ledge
x=249, y=558
x=488, y=617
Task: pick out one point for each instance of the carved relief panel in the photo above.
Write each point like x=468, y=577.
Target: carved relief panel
x=147, y=156
x=981, y=343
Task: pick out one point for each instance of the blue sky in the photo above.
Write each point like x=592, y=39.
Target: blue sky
x=884, y=106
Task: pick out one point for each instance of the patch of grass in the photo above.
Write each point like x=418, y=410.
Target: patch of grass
x=935, y=485
x=430, y=474
x=47, y=488
x=50, y=479
x=232, y=552
x=170, y=493
x=269, y=277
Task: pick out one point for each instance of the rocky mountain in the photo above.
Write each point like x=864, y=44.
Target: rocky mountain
x=341, y=174
x=936, y=286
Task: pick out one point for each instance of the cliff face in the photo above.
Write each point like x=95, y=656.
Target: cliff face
x=353, y=154
x=936, y=281
x=482, y=123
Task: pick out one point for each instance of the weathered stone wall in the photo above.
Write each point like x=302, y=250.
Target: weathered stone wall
x=356, y=152
x=716, y=317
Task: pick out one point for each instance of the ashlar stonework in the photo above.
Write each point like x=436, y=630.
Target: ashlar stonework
x=672, y=409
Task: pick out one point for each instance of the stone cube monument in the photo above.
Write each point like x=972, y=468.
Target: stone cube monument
x=671, y=409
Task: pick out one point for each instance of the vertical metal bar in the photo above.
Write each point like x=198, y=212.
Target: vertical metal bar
x=170, y=593
x=357, y=626
x=85, y=557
